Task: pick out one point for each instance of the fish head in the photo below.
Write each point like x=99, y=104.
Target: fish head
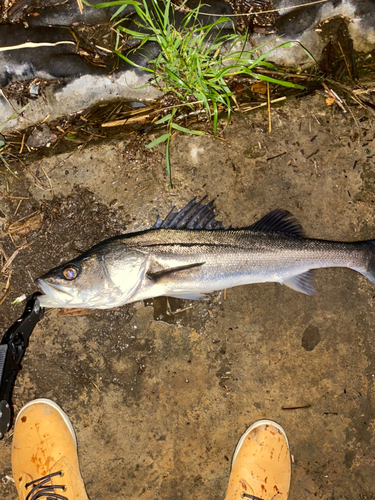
x=95, y=280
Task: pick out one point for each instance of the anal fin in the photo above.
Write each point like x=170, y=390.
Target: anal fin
x=302, y=283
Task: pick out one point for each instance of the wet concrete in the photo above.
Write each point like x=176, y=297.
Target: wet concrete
x=160, y=392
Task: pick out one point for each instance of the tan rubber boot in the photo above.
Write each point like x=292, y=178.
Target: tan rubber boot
x=261, y=468
x=44, y=454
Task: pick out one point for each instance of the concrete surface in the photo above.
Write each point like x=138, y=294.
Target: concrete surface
x=159, y=399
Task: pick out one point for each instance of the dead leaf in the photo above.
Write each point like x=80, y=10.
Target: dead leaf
x=258, y=88
x=330, y=101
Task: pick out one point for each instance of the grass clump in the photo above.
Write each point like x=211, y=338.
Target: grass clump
x=193, y=63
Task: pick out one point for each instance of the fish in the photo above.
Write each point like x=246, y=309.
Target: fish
x=190, y=254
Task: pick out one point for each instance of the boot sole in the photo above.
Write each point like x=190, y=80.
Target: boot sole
x=256, y=424
x=49, y=402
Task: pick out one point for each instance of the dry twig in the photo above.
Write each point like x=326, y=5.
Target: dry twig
x=6, y=289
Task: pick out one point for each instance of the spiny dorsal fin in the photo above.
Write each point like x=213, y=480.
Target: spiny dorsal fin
x=280, y=221
x=194, y=215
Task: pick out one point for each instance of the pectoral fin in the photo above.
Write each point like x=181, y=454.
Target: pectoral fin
x=158, y=275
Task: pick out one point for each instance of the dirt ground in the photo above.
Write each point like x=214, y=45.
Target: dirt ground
x=159, y=393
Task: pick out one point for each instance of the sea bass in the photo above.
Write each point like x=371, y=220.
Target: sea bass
x=190, y=254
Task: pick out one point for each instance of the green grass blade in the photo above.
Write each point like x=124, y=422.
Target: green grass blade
x=167, y=159
x=208, y=28
x=164, y=119
x=132, y=62
x=281, y=46
x=118, y=12
x=284, y=83
x=134, y=34
x=214, y=105
x=117, y=43
x=186, y=130
x=103, y=5
x=176, y=78
x=166, y=14
x=157, y=141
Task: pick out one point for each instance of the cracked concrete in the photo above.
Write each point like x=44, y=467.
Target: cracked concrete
x=160, y=395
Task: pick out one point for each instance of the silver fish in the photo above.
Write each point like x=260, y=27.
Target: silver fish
x=190, y=254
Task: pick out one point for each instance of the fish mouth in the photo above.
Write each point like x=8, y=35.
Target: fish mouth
x=58, y=296
x=54, y=295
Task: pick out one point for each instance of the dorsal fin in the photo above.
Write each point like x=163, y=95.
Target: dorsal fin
x=280, y=221
x=194, y=215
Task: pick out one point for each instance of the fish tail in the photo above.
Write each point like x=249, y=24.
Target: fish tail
x=369, y=272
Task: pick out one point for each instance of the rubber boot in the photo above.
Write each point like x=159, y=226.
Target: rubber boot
x=261, y=468
x=44, y=454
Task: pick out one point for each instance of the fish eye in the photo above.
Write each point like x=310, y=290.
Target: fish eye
x=70, y=272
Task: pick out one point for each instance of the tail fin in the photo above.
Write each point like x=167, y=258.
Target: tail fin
x=370, y=267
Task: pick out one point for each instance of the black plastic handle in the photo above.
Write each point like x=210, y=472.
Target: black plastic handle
x=12, y=349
